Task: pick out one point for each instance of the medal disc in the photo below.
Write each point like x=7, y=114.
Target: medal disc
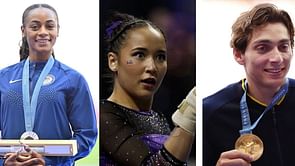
x=29, y=135
x=250, y=144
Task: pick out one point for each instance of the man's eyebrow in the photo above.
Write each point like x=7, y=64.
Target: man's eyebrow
x=262, y=41
x=266, y=41
x=285, y=41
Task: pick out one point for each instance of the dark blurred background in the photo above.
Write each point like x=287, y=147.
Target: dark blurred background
x=177, y=19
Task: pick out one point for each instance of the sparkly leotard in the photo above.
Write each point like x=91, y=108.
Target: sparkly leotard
x=129, y=137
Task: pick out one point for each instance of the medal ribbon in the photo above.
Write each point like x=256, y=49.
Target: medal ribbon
x=30, y=105
x=246, y=122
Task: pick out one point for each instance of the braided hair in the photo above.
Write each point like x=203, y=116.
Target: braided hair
x=24, y=48
x=118, y=27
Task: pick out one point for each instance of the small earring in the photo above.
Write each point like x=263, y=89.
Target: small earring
x=20, y=43
x=114, y=68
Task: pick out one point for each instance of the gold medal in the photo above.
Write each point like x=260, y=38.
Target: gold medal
x=250, y=144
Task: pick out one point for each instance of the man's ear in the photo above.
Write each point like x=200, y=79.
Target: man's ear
x=113, y=61
x=239, y=57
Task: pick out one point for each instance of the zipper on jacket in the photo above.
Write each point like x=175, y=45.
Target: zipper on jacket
x=280, y=157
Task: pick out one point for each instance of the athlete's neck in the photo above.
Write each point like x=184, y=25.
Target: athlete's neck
x=120, y=96
x=262, y=94
x=39, y=57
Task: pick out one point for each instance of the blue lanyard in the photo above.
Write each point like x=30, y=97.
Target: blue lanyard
x=246, y=122
x=30, y=105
